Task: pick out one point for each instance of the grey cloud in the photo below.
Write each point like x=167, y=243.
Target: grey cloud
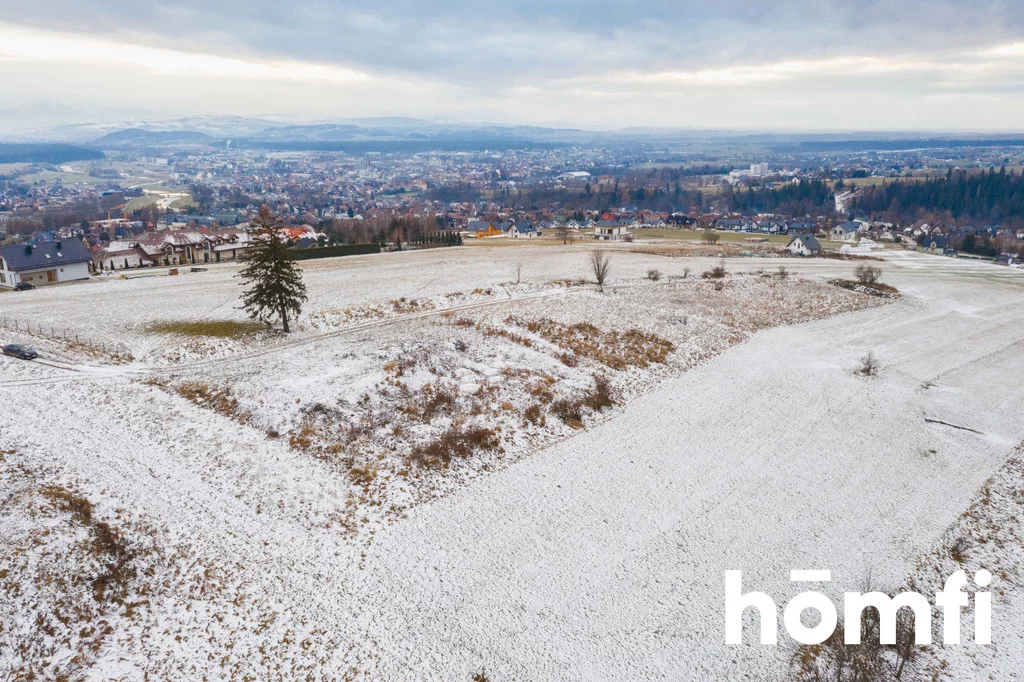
x=492, y=43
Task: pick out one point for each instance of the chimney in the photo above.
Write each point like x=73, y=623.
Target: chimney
x=28, y=249
x=58, y=245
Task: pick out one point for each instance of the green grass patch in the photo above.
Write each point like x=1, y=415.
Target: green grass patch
x=221, y=329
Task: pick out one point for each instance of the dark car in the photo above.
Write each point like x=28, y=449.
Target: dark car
x=23, y=286
x=23, y=352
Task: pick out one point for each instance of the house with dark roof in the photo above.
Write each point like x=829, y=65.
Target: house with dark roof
x=522, y=229
x=43, y=263
x=803, y=245
x=845, y=232
x=801, y=227
x=934, y=242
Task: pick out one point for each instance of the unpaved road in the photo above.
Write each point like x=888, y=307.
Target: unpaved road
x=602, y=557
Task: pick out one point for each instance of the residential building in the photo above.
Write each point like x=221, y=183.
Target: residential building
x=803, y=245
x=44, y=263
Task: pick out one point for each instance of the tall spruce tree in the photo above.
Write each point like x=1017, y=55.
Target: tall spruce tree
x=273, y=283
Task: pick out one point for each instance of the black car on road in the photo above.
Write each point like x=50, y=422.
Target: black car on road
x=18, y=351
x=23, y=286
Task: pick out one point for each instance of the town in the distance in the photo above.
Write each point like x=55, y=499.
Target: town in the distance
x=163, y=196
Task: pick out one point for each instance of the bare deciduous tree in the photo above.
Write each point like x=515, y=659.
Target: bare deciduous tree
x=710, y=237
x=600, y=265
x=867, y=274
x=654, y=275
x=563, y=233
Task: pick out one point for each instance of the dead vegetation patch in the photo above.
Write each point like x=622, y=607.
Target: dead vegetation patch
x=458, y=442
x=572, y=410
x=870, y=288
x=107, y=545
x=617, y=350
x=221, y=329
x=218, y=399
x=717, y=272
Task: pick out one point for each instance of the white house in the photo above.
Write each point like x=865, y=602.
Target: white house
x=522, y=230
x=845, y=232
x=44, y=263
x=611, y=231
x=803, y=245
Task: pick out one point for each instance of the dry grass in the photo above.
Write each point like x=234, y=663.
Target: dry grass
x=431, y=402
x=221, y=329
x=107, y=544
x=873, y=289
x=617, y=350
x=571, y=410
x=455, y=443
x=220, y=400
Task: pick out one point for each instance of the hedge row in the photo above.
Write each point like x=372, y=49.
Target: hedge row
x=333, y=251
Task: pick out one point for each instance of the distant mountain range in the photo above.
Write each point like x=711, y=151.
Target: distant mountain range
x=46, y=153
x=411, y=134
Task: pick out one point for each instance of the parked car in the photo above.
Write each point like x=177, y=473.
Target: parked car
x=18, y=351
x=23, y=286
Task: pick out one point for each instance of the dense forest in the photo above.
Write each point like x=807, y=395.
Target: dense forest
x=654, y=190
x=668, y=197
x=987, y=198
x=806, y=198
x=45, y=153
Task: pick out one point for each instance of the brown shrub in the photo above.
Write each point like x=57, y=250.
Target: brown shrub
x=570, y=410
x=958, y=550
x=303, y=439
x=568, y=359
x=435, y=401
x=868, y=365
x=455, y=443
x=363, y=475
x=717, y=272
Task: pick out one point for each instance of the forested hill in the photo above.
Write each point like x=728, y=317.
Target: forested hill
x=45, y=153
x=810, y=197
x=985, y=198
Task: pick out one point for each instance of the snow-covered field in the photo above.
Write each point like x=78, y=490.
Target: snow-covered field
x=275, y=507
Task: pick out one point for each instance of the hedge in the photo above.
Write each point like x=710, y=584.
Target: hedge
x=334, y=251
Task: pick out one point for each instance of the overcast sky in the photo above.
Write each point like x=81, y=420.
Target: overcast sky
x=813, y=65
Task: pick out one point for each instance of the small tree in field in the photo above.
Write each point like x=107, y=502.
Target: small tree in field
x=600, y=264
x=867, y=274
x=868, y=365
x=273, y=283
x=562, y=232
x=710, y=237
